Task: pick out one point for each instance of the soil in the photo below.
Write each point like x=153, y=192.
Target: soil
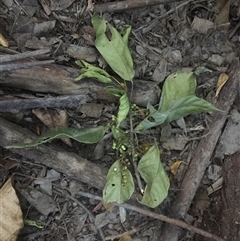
x=59, y=184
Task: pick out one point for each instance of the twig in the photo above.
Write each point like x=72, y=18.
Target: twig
x=50, y=102
x=126, y=5
x=12, y=57
x=161, y=217
x=91, y=216
x=172, y=10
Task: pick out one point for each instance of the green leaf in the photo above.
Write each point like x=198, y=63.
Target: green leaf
x=124, y=104
x=84, y=135
x=119, y=186
x=153, y=173
x=123, y=109
x=186, y=106
x=177, y=100
x=156, y=115
x=115, y=51
x=200, y=70
x=90, y=71
x=125, y=33
x=177, y=85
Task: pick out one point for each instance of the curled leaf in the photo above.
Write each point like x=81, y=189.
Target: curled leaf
x=91, y=71
x=124, y=105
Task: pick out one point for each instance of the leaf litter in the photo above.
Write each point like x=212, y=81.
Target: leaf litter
x=151, y=64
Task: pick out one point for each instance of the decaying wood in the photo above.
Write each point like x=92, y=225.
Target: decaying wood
x=13, y=57
x=24, y=65
x=49, y=102
x=231, y=194
x=59, y=80
x=202, y=156
x=117, y=6
x=65, y=162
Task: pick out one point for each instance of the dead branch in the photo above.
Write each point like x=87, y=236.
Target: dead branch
x=49, y=102
x=118, y=6
x=13, y=57
x=24, y=65
x=60, y=80
x=202, y=156
x=160, y=217
x=63, y=161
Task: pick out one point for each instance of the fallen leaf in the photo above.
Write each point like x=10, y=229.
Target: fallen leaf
x=201, y=25
x=3, y=41
x=42, y=202
x=125, y=237
x=174, y=167
x=52, y=119
x=224, y=8
x=11, y=215
x=223, y=78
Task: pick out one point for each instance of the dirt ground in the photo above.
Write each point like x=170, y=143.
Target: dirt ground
x=59, y=184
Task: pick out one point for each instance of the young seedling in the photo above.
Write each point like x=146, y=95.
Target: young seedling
x=178, y=100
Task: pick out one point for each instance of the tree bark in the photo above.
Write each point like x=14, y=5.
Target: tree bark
x=118, y=6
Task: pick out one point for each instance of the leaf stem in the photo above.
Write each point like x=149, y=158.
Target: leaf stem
x=133, y=145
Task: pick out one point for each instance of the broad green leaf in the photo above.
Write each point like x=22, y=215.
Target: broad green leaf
x=84, y=135
x=115, y=51
x=119, y=186
x=124, y=104
x=186, y=106
x=91, y=71
x=177, y=85
x=177, y=108
x=153, y=173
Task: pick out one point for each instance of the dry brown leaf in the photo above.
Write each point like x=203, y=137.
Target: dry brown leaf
x=52, y=119
x=174, y=167
x=3, y=41
x=223, y=78
x=125, y=237
x=11, y=215
x=223, y=16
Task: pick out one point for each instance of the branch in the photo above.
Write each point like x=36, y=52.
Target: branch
x=51, y=102
x=118, y=6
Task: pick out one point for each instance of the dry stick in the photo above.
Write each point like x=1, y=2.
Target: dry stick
x=128, y=4
x=24, y=65
x=160, y=217
x=69, y=101
x=172, y=10
x=12, y=57
x=202, y=156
